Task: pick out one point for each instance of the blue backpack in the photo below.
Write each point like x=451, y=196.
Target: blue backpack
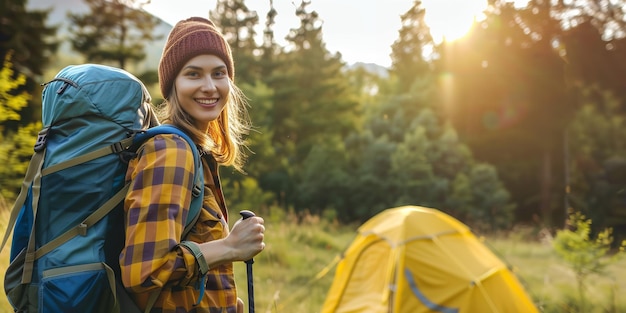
x=68, y=219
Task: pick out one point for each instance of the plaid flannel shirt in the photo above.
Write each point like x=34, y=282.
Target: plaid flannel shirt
x=156, y=205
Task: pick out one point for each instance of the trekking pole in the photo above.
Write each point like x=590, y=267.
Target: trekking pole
x=246, y=214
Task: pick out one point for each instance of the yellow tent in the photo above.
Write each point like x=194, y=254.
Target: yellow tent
x=420, y=260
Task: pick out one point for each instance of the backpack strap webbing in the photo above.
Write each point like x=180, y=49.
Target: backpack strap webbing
x=27, y=273
x=81, y=229
x=34, y=167
x=117, y=147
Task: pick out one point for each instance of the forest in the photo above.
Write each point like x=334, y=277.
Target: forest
x=520, y=122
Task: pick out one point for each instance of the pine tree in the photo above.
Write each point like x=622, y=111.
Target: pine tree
x=113, y=31
x=270, y=48
x=408, y=51
x=237, y=24
x=26, y=34
x=594, y=43
x=32, y=44
x=597, y=159
x=312, y=104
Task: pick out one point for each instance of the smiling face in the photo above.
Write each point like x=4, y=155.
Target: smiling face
x=202, y=89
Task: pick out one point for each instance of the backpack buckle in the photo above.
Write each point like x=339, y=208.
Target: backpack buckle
x=117, y=147
x=126, y=156
x=195, y=192
x=42, y=139
x=82, y=229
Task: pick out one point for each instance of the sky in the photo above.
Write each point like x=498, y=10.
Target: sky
x=361, y=30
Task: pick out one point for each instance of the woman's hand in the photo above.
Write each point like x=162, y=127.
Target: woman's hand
x=246, y=238
x=243, y=242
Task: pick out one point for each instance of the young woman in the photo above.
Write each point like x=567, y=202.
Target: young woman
x=196, y=75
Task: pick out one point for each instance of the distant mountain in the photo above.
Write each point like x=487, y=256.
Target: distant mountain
x=58, y=17
x=372, y=68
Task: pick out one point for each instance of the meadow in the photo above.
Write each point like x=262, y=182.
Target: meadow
x=295, y=271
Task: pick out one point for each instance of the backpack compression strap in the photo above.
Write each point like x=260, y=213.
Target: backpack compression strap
x=34, y=169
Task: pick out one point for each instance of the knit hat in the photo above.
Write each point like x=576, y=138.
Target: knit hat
x=188, y=39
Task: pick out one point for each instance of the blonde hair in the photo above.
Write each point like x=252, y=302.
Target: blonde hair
x=225, y=135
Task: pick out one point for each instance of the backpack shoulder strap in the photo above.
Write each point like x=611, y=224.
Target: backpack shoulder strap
x=198, y=187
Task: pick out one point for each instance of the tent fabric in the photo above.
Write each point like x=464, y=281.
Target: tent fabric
x=414, y=259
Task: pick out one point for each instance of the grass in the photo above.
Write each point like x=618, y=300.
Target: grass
x=296, y=269
x=286, y=273
x=5, y=307
x=552, y=284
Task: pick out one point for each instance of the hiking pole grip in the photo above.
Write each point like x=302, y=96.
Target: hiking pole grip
x=247, y=214
x=244, y=215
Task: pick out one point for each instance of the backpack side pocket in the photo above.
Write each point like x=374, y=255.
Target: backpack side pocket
x=21, y=296
x=78, y=288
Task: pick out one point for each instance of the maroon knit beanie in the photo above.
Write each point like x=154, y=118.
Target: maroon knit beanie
x=188, y=39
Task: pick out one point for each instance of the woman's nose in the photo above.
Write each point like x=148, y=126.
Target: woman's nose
x=208, y=84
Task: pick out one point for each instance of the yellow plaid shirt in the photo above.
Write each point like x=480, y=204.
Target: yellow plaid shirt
x=156, y=207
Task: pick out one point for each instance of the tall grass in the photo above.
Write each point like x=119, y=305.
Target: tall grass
x=295, y=271
x=289, y=273
x=551, y=283
x=5, y=307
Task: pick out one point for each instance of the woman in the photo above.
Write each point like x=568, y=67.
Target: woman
x=196, y=75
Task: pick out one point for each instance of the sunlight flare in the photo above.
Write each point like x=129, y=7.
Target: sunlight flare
x=452, y=19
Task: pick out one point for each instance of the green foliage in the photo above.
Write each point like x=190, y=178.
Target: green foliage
x=435, y=169
x=311, y=109
x=244, y=193
x=585, y=255
x=26, y=34
x=481, y=199
x=16, y=150
x=405, y=153
x=11, y=103
x=324, y=178
x=262, y=156
x=15, y=147
x=597, y=146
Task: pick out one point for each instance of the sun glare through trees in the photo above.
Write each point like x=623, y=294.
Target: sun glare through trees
x=452, y=19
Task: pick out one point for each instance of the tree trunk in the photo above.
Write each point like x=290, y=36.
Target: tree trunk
x=546, y=187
